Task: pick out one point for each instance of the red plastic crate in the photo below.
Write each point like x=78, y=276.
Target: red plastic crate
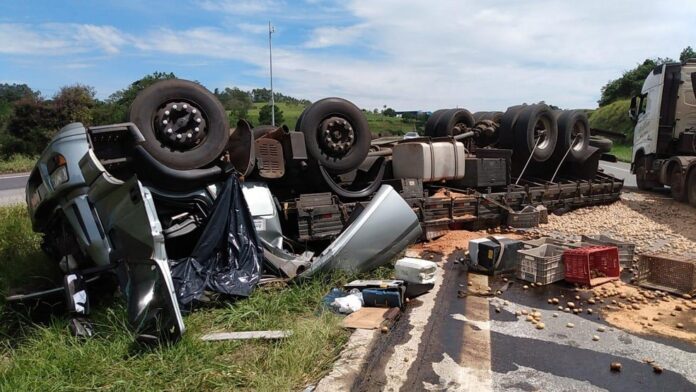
x=579, y=264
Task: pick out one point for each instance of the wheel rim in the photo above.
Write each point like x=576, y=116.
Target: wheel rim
x=181, y=125
x=577, y=136
x=337, y=136
x=541, y=132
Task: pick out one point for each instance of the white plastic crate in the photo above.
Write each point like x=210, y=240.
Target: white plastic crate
x=541, y=265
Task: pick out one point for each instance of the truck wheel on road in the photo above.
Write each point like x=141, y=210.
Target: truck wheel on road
x=641, y=173
x=677, y=184
x=573, y=128
x=691, y=183
x=431, y=123
x=535, y=122
x=185, y=127
x=336, y=133
x=604, y=144
x=453, y=122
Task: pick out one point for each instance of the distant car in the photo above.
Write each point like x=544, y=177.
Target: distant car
x=411, y=135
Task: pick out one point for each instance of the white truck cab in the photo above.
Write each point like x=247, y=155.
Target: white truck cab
x=664, y=140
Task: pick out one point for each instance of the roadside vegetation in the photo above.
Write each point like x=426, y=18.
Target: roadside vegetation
x=623, y=152
x=37, y=352
x=17, y=163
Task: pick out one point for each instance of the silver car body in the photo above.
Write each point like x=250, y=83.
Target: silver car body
x=386, y=227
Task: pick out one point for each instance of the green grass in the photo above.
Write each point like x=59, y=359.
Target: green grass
x=43, y=356
x=378, y=123
x=17, y=164
x=613, y=117
x=623, y=152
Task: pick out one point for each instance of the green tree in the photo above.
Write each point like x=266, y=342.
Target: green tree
x=630, y=83
x=686, y=54
x=31, y=126
x=389, y=112
x=265, y=115
x=238, y=102
x=261, y=95
x=74, y=104
x=115, y=108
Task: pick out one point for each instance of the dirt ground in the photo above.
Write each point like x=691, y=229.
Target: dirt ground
x=654, y=223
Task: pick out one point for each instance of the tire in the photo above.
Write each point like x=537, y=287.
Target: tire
x=491, y=116
x=572, y=124
x=431, y=123
x=677, y=184
x=604, y=144
x=147, y=111
x=691, y=183
x=641, y=172
x=338, y=117
x=507, y=126
x=452, y=121
x=526, y=133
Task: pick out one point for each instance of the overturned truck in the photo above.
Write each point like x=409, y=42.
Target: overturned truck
x=158, y=201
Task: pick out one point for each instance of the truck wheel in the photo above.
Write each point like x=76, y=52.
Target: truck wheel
x=641, y=173
x=535, y=122
x=677, y=184
x=453, y=122
x=431, y=123
x=336, y=133
x=507, y=126
x=604, y=144
x=491, y=116
x=573, y=129
x=691, y=181
x=185, y=127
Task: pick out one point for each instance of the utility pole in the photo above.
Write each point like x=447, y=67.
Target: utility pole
x=271, y=30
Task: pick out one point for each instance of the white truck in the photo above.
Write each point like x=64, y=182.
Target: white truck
x=664, y=141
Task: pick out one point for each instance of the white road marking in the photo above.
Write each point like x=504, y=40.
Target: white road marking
x=481, y=325
x=616, y=167
x=4, y=176
x=454, y=377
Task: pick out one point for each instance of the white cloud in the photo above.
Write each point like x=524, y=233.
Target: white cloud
x=238, y=7
x=323, y=37
x=253, y=28
x=59, y=39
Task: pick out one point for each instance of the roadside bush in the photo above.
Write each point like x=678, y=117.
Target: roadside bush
x=614, y=117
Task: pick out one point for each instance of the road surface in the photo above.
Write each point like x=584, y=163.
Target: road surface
x=12, y=188
x=620, y=170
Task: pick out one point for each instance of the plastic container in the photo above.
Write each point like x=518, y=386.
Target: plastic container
x=591, y=265
x=667, y=273
x=414, y=270
x=541, y=265
x=430, y=162
x=626, y=249
x=548, y=240
x=526, y=218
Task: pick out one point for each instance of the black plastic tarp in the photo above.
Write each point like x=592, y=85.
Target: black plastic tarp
x=227, y=258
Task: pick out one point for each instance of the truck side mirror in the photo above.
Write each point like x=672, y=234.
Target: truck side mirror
x=633, y=110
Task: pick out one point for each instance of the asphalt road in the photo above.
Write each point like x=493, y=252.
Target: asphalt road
x=12, y=188
x=620, y=170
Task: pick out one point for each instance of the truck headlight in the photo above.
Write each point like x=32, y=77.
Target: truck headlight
x=59, y=174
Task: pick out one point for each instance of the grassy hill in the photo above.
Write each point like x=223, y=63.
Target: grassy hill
x=378, y=123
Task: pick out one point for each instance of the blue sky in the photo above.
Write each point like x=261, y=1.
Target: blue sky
x=482, y=55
